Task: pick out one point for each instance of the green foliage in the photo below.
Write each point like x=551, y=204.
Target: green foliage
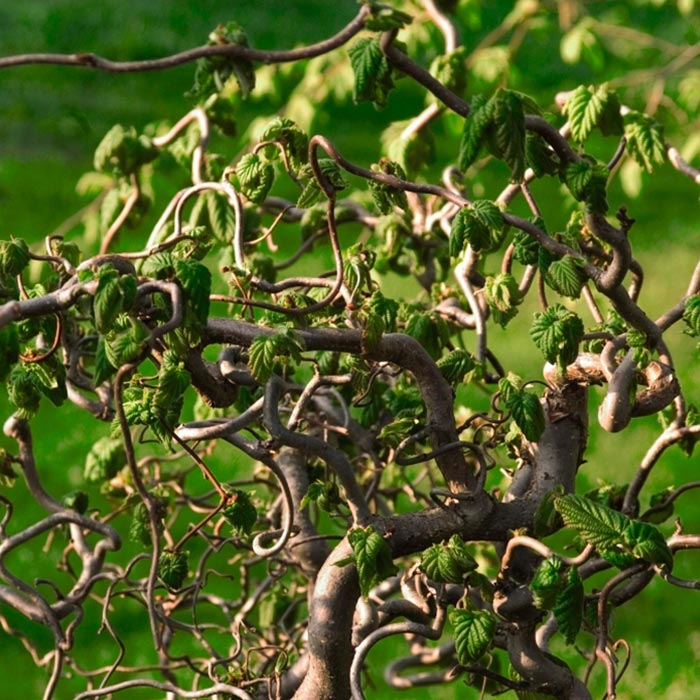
x=645, y=140
x=312, y=192
x=240, y=511
x=385, y=196
x=266, y=350
x=456, y=365
x=503, y=297
x=255, y=177
x=14, y=257
x=524, y=406
x=122, y=151
x=547, y=582
x=214, y=73
x=450, y=70
x=430, y=330
x=566, y=276
x=373, y=74
x=547, y=520
x=27, y=383
x=617, y=538
x=76, y=500
x=292, y=139
x=173, y=568
x=104, y=460
x=371, y=556
x=412, y=149
x=691, y=316
x=114, y=294
x=9, y=349
x=481, y=226
x=557, y=333
x=449, y=562
x=498, y=123
x=589, y=108
x=587, y=181
x=474, y=631
x=384, y=18
x=568, y=606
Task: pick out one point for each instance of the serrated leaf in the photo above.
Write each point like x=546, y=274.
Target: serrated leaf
x=587, y=182
x=373, y=74
x=449, y=562
x=557, y=333
x=646, y=542
x=476, y=126
x=105, y=458
x=265, y=350
x=240, y=512
x=107, y=302
x=503, y=297
x=221, y=216
x=456, y=365
x=430, y=331
x=467, y=228
x=526, y=248
x=292, y=138
x=527, y=413
x=398, y=430
x=451, y=70
x=691, y=316
x=588, y=109
x=195, y=279
x=173, y=568
x=255, y=177
x=508, y=138
x=568, y=606
x=597, y=525
x=385, y=196
x=372, y=557
x=474, y=631
x=122, y=347
x=14, y=256
x=566, y=276
x=547, y=582
x=383, y=18
x=122, y=151
x=539, y=155
x=645, y=140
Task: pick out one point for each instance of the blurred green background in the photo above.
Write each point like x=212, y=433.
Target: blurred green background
x=51, y=119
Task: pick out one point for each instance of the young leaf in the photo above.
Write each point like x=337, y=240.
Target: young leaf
x=476, y=126
x=526, y=248
x=568, y=606
x=373, y=74
x=295, y=142
x=503, y=297
x=588, y=181
x=547, y=520
x=645, y=140
x=508, y=138
x=467, y=228
x=240, y=511
x=566, y=276
x=14, y=256
x=539, y=155
x=105, y=458
x=448, y=562
x=195, y=279
x=456, y=365
x=451, y=70
x=691, y=316
x=385, y=196
x=372, y=557
x=646, y=542
x=557, y=333
x=384, y=18
x=173, y=568
x=122, y=151
x=474, y=630
x=528, y=414
x=588, y=109
x=265, y=349
x=107, y=303
x=547, y=582
x=9, y=349
x=255, y=177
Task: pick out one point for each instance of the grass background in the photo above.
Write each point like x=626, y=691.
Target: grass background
x=51, y=119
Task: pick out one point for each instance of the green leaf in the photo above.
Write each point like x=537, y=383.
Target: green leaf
x=588, y=181
x=372, y=557
x=525, y=247
x=448, y=562
x=398, y=430
x=547, y=582
x=476, y=126
x=646, y=542
x=107, y=302
x=265, y=350
x=240, y=511
x=195, y=279
x=527, y=413
x=451, y=70
x=221, y=216
x=474, y=631
x=139, y=527
x=466, y=228
x=122, y=151
x=173, y=568
x=312, y=192
x=568, y=606
x=385, y=196
x=14, y=256
x=430, y=330
x=373, y=74
x=124, y=346
x=7, y=473
x=691, y=316
x=294, y=141
x=557, y=333
x=503, y=297
x=456, y=365
x=566, y=276
x=105, y=458
x=412, y=149
x=588, y=109
x=508, y=138
x=255, y=177
x=645, y=140
x=597, y=525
